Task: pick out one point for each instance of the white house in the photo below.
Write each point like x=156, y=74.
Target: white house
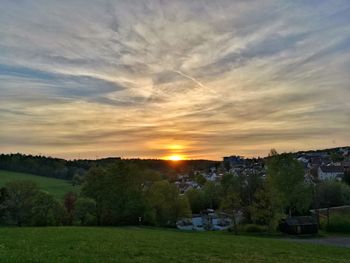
x=197, y=222
x=207, y=220
x=330, y=172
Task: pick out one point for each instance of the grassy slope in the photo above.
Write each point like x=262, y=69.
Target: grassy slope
x=74, y=244
x=57, y=187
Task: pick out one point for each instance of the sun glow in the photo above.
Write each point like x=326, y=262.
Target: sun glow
x=175, y=158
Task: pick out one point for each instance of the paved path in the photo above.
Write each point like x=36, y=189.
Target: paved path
x=334, y=241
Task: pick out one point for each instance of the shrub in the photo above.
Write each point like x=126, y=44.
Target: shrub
x=339, y=223
x=252, y=228
x=333, y=193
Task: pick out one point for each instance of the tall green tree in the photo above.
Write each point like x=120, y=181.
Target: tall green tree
x=231, y=204
x=19, y=201
x=261, y=208
x=212, y=195
x=265, y=209
x=46, y=210
x=119, y=192
x=285, y=177
x=69, y=205
x=167, y=204
x=85, y=211
x=196, y=200
x=253, y=183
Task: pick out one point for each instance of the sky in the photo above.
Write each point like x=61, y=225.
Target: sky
x=196, y=79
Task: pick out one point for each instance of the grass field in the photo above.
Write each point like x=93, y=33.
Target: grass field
x=88, y=244
x=56, y=187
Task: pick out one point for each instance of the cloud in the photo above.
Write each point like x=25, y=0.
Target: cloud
x=130, y=78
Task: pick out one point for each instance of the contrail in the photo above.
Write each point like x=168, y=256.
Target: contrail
x=191, y=78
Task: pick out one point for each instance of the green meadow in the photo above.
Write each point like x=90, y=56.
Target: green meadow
x=56, y=187
x=132, y=244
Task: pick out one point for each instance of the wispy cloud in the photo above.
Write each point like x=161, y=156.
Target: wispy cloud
x=134, y=78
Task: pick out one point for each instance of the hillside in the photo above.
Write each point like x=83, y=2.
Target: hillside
x=67, y=169
x=56, y=187
x=88, y=244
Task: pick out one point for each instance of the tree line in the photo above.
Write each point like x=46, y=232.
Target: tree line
x=118, y=194
x=68, y=169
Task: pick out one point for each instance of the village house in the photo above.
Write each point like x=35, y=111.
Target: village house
x=330, y=172
x=206, y=220
x=319, y=161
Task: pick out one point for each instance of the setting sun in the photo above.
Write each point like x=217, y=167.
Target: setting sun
x=175, y=158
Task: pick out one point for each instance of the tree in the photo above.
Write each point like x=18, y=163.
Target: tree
x=237, y=194
x=46, y=210
x=232, y=205
x=77, y=179
x=69, y=205
x=265, y=210
x=19, y=201
x=253, y=183
x=3, y=198
x=85, y=211
x=97, y=187
x=230, y=182
x=285, y=177
x=261, y=208
x=119, y=192
x=182, y=208
x=200, y=179
x=196, y=200
x=212, y=195
x=166, y=203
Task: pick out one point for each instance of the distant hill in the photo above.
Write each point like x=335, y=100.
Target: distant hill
x=66, y=169
x=56, y=187
x=328, y=150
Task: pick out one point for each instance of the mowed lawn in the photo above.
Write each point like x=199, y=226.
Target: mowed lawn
x=92, y=244
x=56, y=187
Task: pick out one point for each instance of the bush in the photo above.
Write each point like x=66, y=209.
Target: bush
x=339, y=223
x=252, y=228
x=333, y=193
